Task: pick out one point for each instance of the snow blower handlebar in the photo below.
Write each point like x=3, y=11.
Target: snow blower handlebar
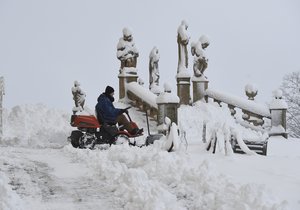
x=128, y=113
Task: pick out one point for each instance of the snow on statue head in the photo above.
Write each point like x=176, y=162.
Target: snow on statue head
x=204, y=41
x=127, y=34
x=185, y=24
x=76, y=83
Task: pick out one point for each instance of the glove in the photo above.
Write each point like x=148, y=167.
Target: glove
x=125, y=111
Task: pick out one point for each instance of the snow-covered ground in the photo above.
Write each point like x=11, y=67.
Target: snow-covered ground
x=41, y=170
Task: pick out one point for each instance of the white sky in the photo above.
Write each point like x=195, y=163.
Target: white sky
x=46, y=45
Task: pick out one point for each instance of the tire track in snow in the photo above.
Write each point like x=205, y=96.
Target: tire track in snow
x=48, y=179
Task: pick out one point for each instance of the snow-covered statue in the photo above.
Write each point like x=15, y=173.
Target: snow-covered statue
x=127, y=53
x=78, y=97
x=182, y=41
x=200, y=60
x=2, y=92
x=2, y=89
x=153, y=69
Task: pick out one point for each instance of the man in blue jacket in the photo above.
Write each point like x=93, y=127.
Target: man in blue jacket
x=110, y=115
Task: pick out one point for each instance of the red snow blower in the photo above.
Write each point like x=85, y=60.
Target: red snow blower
x=91, y=132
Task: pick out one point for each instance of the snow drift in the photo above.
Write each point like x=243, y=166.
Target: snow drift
x=35, y=126
x=147, y=177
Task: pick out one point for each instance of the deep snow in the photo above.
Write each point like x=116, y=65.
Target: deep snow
x=41, y=170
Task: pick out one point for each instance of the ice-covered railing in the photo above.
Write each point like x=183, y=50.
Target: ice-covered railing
x=235, y=101
x=142, y=97
x=252, y=111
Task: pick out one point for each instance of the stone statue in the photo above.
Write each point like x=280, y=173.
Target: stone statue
x=2, y=89
x=182, y=41
x=78, y=97
x=200, y=60
x=126, y=50
x=2, y=92
x=153, y=68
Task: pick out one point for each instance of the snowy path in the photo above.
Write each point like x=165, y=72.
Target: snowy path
x=50, y=179
x=133, y=178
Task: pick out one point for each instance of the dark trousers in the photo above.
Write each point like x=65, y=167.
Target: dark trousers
x=122, y=120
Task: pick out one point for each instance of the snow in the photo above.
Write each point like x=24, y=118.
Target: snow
x=41, y=170
x=251, y=88
x=183, y=73
x=167, y=96
x=278, y=104
x=128, y=72
x=204, y=39
x=248, y=105
x=142, y=92
x=9, y=198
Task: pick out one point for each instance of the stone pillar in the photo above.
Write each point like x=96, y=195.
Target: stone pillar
x=200, y=84
x=125, y=76
x=278, y=109
x=167, y=104
x=183, y=89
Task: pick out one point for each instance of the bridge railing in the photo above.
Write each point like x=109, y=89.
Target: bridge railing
x=253, y=112
x=142, y=98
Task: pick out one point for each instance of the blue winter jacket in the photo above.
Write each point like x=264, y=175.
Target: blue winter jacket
x=105, y=108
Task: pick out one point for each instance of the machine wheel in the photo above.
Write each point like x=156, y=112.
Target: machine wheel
x=75, y=138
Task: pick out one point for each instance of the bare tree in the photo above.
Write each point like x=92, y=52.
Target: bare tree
x=291, y=91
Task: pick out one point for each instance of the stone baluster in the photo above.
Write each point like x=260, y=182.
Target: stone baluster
x=255, y=119
x=232, y=109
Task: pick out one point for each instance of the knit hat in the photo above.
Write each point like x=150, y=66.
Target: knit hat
x=109, y=90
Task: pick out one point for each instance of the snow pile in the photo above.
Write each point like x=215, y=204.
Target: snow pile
x=149, y=178
x=9, y=199
x=216, y=119
x=35, y=126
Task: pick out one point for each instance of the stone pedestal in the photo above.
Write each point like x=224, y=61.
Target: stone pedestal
x=167, y=110
x=278, y=123
x=200, y=84
x=167, y=104
x=125, y=77
x=183, y=89
x=278, y=109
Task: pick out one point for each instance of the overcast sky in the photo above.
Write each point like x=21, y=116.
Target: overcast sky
x=46, y=45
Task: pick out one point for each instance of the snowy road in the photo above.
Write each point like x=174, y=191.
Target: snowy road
x=125, y=177
x=50, y=179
